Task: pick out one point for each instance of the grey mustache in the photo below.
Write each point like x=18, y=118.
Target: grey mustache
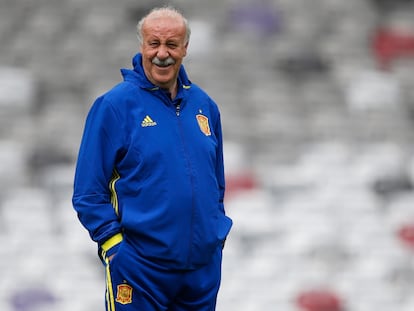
x=166, y=62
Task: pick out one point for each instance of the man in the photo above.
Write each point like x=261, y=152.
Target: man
x=149, y=181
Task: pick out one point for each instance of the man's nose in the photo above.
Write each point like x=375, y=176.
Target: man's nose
x=162, y=52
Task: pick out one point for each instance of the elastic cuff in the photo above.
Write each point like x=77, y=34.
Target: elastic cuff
x=111, y=242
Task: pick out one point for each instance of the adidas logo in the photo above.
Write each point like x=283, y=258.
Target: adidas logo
x=148, y=122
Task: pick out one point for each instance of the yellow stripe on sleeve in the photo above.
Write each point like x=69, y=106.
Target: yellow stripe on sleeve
x=116, y=239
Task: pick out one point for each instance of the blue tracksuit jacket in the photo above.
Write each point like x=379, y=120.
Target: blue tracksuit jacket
x=150, y=172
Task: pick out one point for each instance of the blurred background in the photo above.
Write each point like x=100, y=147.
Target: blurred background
x=317, y=102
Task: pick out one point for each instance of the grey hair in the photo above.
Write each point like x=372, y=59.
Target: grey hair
x=168, y=11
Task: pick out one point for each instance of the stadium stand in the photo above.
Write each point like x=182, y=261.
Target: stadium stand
x=319, y=135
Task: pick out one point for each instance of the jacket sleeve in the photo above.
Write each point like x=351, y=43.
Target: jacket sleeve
x=100, y=146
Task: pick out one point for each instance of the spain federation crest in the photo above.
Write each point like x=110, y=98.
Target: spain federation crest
x=124, y=294
x=203, y=123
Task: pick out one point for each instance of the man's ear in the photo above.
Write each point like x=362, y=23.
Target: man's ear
x=185, y=49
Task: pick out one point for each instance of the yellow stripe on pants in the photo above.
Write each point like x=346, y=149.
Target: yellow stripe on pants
x=110, y=300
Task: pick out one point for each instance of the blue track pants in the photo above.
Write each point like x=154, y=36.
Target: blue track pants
x=134, y=284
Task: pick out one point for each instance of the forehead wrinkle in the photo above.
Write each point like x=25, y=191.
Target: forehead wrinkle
x=161, y=28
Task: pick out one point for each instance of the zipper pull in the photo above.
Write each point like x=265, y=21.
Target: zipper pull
x=177, y=109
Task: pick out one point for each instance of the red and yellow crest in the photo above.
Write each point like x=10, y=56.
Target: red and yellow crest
x=203, y=123
x=124, y=294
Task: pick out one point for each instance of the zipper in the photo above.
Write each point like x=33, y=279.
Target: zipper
x=177, y=109
x=188, y=164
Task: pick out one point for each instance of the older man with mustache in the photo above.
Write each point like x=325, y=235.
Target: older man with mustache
x=149, y=181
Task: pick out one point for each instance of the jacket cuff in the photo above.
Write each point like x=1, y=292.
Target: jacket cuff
x=111, y=245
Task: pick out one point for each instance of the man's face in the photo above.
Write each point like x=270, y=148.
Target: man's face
x=163, y=49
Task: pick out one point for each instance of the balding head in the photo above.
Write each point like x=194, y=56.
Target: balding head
x=163, y=12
